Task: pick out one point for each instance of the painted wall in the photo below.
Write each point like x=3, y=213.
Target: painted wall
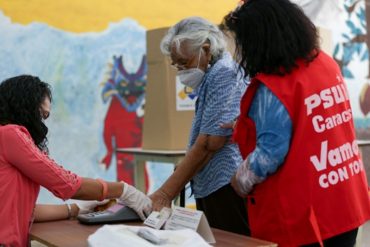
x=95, y=15
x=91, y=52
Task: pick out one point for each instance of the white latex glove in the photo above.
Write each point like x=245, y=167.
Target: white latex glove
x=88, y=206
x=136, y=200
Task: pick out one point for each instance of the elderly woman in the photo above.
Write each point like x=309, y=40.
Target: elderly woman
x=198, y=50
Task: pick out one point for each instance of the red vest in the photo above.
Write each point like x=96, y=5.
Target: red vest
x=320, y=190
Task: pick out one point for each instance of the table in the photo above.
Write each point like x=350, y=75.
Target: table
x=362, y=143
x=70, y=233
x=143, y=155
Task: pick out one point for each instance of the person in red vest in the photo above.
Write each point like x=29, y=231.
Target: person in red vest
x=302, y=172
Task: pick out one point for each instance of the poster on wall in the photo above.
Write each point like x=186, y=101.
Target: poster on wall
x=185, y=97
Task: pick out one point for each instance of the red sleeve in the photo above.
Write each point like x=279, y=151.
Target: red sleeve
x=21, y=152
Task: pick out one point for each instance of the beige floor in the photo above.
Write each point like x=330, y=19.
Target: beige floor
x=366, y=235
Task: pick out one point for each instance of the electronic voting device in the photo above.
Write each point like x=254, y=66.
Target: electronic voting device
x=114, y=214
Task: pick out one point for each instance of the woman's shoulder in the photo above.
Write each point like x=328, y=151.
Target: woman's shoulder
x=14, y=130
x=224, y=63
x=226, y=71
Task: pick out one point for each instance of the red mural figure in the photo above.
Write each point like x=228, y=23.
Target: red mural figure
x=124, y=119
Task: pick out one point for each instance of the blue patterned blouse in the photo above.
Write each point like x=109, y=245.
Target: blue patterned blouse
x=218, y=102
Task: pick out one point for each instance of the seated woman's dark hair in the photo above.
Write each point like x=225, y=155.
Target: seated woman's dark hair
x=20, y=101
x=270, y=35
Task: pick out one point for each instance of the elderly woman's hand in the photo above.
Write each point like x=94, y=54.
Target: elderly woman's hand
x=160, y=199
x=230, y=125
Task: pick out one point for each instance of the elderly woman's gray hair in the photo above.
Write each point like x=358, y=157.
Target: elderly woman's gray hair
x=196, y=31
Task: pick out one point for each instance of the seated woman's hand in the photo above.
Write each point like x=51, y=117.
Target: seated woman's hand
x=86, y=207
x=136, y=200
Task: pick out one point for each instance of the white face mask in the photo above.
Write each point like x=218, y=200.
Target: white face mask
x=191, y=77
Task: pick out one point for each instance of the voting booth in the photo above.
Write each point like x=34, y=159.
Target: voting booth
x=169, y=106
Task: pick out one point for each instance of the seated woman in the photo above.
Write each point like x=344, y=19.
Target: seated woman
x=25, y=166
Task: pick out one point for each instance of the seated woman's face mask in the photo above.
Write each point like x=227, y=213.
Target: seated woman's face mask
x=191, y=77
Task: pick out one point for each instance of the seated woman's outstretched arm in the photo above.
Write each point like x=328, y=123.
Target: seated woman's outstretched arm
x=23, y=154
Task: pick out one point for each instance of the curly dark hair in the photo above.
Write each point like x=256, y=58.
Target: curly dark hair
x=20, y=101
x=271, y=35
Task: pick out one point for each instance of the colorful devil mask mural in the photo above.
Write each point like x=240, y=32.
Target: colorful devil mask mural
x=124, y=118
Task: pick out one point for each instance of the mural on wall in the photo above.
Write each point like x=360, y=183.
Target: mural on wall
x=96, y=107
x=348, y=22
x=88, y=94
x=354, y=49
x=352, y=55
x=124, y=118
